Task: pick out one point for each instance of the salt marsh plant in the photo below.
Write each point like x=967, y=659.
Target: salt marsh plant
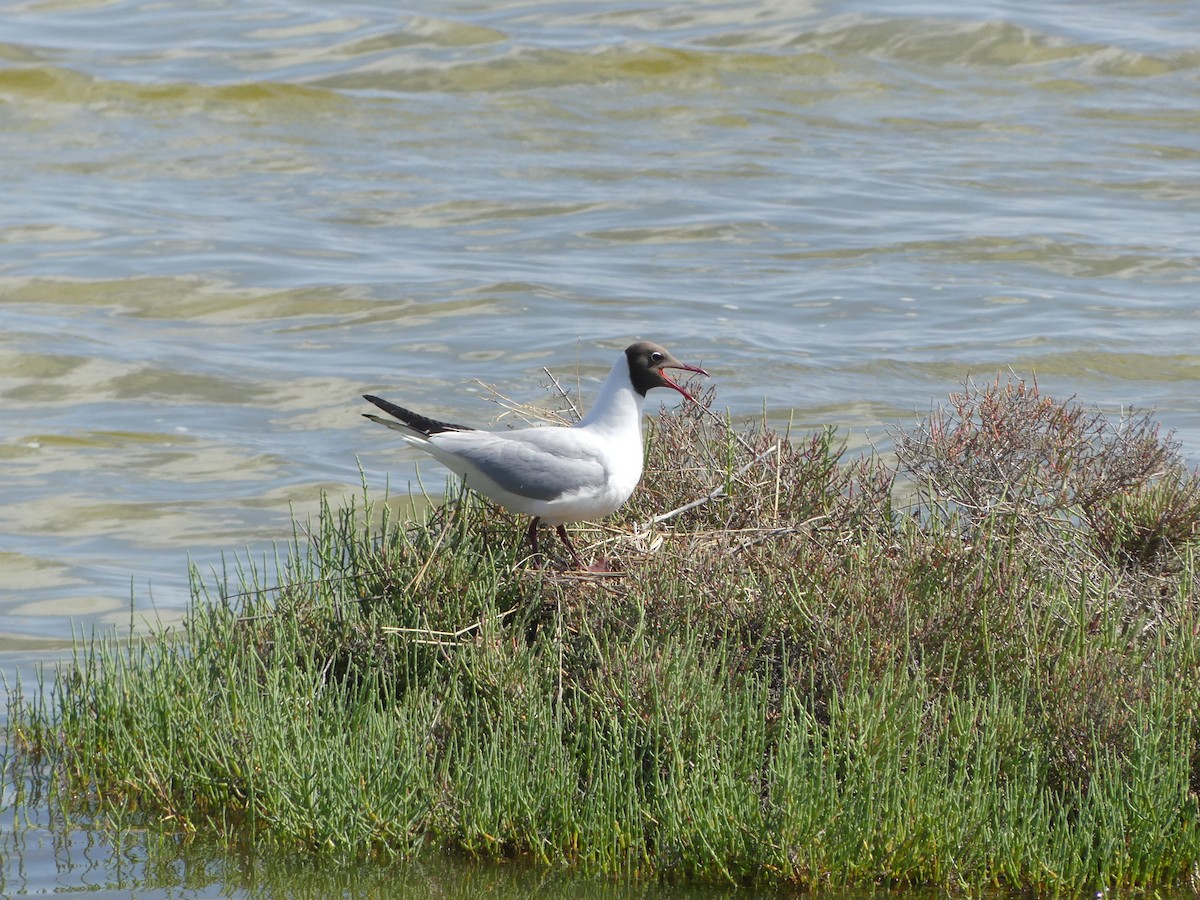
x=794, y=679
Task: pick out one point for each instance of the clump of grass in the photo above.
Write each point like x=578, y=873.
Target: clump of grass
x=792, y=679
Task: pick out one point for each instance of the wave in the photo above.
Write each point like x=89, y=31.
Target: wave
x=422, y=58
x=61, y=85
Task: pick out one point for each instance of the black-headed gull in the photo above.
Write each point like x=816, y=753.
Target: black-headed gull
x=557, y=474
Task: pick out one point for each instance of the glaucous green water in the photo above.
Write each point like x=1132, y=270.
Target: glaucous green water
x=222, y=222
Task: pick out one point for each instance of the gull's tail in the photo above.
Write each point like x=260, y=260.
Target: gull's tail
x=409, y=423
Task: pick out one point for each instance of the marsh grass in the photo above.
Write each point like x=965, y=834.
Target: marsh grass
x=790, y=680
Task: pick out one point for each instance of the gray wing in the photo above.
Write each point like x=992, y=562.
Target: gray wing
x=539, y=463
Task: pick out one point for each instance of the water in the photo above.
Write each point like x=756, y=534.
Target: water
x=221, y=222
x=42, y=859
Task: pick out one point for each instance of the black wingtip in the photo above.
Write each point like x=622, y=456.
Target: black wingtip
x=415, y=421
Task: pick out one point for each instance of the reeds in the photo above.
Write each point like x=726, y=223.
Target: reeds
x=792, y=682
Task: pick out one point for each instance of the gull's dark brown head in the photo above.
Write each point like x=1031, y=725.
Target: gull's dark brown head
x=647, y=361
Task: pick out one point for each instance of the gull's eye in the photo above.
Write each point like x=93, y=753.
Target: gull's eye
x=656, y=357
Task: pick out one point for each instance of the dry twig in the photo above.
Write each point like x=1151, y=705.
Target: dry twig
x=445, y=638
x=714, y=494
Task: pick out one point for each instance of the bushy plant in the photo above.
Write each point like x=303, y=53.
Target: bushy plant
x=791, y=676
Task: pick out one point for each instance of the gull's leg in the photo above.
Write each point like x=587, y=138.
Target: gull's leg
x=532, y=535
x=600, y=565
x=562, y=533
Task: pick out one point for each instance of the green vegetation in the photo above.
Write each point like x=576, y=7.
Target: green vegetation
x=978, y=666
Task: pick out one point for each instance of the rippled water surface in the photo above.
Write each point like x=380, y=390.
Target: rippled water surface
x=221, y=222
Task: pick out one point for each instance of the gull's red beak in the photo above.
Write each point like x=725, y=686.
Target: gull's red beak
x=670, y=382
